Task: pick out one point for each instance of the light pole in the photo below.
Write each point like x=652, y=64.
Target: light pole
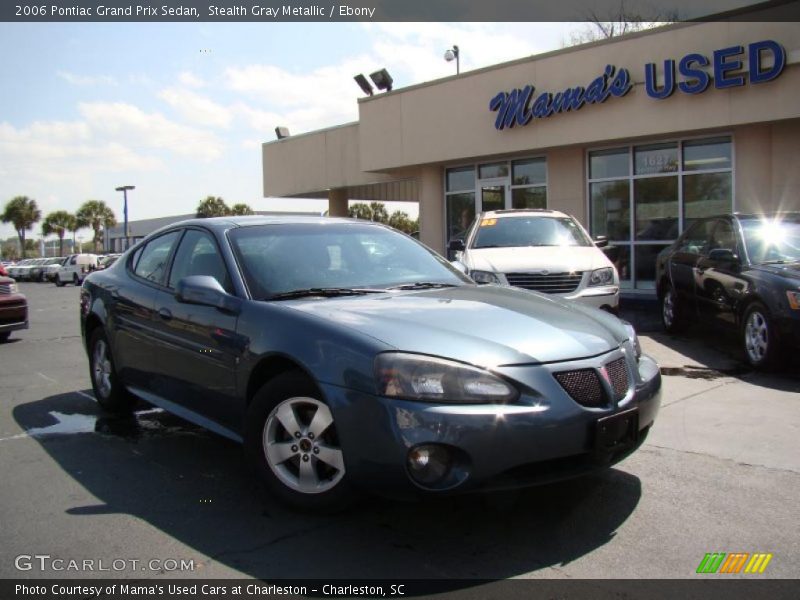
x=453, y=53
x=124, y=189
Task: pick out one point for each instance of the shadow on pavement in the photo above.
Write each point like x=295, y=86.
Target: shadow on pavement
x=194, y=486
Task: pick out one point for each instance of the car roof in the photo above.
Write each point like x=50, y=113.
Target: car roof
x=522, y=212
x=233, y=222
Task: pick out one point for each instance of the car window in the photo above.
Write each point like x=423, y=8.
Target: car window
x=73, y=259
x=511, y=232
x=723, y=236
x=153, y=261
x=198, y=255
x=697, y=238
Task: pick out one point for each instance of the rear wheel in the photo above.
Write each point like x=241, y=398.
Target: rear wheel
x=108, y=390
x=292, y=441
x=4, y=335
x=759, y=338
x=75, y=279
x=672, y=316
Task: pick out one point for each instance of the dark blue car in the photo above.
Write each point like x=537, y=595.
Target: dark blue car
x=346, y=355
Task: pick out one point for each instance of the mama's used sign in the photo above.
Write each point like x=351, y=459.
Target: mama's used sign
x=521, y=106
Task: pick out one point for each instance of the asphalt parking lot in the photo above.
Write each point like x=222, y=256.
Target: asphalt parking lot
x=719, y=473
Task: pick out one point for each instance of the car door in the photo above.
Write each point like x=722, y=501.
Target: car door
x=690, y=248
x=198, y=348
x=131, y=311
x=718, y=274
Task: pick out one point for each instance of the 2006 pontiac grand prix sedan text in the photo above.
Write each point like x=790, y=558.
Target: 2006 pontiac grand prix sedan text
x=346, y=355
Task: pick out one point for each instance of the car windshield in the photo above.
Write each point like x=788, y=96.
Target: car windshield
x=335, y=257
x=513, y=232
x=772, y=240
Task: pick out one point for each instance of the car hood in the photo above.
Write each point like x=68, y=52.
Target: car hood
x=482, y=325
x=789, y=271
x=562, y=259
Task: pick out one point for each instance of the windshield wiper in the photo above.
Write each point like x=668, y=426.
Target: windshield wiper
x=328, y=292
x=421, y=285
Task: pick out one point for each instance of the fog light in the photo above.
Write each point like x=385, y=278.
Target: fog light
x=429, y=463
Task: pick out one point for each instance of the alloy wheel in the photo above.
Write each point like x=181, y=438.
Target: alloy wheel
x=756, y=336
x=101, y=368
x=301, y=447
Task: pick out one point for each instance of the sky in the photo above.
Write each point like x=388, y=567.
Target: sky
x=180, y=110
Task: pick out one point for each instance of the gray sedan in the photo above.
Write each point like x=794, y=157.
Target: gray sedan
x=347, y=355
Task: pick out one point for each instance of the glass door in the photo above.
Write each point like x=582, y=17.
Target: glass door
x=493, y=197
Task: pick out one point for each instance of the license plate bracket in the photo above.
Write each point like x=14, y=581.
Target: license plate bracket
x=616, y=432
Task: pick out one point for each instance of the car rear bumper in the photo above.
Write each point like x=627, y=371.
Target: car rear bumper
x=13, y=313
x=544, y=437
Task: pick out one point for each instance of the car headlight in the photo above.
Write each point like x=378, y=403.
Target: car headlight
x=484, y=277
x=634, y=339
x=604, y=276
x=430, y=379
x=794, y=299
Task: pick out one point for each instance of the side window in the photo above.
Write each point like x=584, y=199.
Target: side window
x=723, y=237
x=73, y=260
x=697, y=238
x=153, y=261
x=198, y=255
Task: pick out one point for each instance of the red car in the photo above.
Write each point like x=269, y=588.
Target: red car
x=13, y=308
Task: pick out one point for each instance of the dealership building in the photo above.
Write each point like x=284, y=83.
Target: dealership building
x=635, y=136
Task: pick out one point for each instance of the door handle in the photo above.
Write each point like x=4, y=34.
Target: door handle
x=165, y=314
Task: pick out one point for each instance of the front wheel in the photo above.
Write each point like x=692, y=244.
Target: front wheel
x=59, y=283
x=108, y=390
x=4, y=335
x=291, y=439
x=759, y=338
x=672, y=316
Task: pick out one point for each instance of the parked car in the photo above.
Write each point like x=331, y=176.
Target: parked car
x=103, y=262
x=52, y=267
x=740, y=271
x=542, y=250
x=40, y=267
x=3, y=272
x=13, y=308
x=21, y=270
x=339, y=367
x=75, y=268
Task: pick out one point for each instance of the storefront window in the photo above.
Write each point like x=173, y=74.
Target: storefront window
x=656, y=158
x=656, y=202
x=461, y=179
x=705, y=195
x=702, y=155
x=493, y=171
x=529, y=197
x=609, y=163
x=460, y=213
x=611, y=209
x=529, y=172
x=645, y=257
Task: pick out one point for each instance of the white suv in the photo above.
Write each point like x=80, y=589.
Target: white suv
x=75, y=268
x=541, y=250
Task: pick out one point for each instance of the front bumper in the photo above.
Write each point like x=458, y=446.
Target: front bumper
x=13, y=313
x=545, y=436
x=604, y=297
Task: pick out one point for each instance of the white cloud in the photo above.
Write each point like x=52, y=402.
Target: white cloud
x=189, y=79
x=75, y=79
x=196, y=108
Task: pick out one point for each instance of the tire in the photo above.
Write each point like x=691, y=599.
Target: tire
x=59, y=283
x=4, y=335
x=760, y=338
x=76, y=280
x=290, y=463
x=107, y=388
x=672, y=312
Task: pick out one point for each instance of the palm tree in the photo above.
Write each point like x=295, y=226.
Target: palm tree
x=59, y=222
x=241, y=209
x=96, y=214
x=22, y=212
x=212, y=207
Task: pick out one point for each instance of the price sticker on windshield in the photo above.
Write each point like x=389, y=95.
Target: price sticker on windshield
x=488, y=222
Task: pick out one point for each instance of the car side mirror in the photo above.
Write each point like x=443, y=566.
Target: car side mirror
x=601, y=241
x=723, y=255
x=456, y=245
x=206, y=291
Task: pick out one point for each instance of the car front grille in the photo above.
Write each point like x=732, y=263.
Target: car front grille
x=584, y=385
x=5, y=288
x=552, y=283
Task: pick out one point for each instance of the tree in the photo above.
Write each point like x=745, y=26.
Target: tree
x=402, y=222
x=10, y=251
x=96, y=214
x=621, y=21
x=241, y=209
x=22, y=212
x=360, y=211
x=212, y=207
x=59, y=222
x=379, y=212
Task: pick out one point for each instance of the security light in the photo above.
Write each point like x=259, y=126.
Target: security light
x=382, y=80
x=282, y=132
x=452, y=54
x=364, y=84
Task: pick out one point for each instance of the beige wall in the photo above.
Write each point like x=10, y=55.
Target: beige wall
x=566, y=182
x=431, y=207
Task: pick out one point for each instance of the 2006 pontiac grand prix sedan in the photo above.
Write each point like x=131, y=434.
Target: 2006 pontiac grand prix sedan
x=346, y=355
